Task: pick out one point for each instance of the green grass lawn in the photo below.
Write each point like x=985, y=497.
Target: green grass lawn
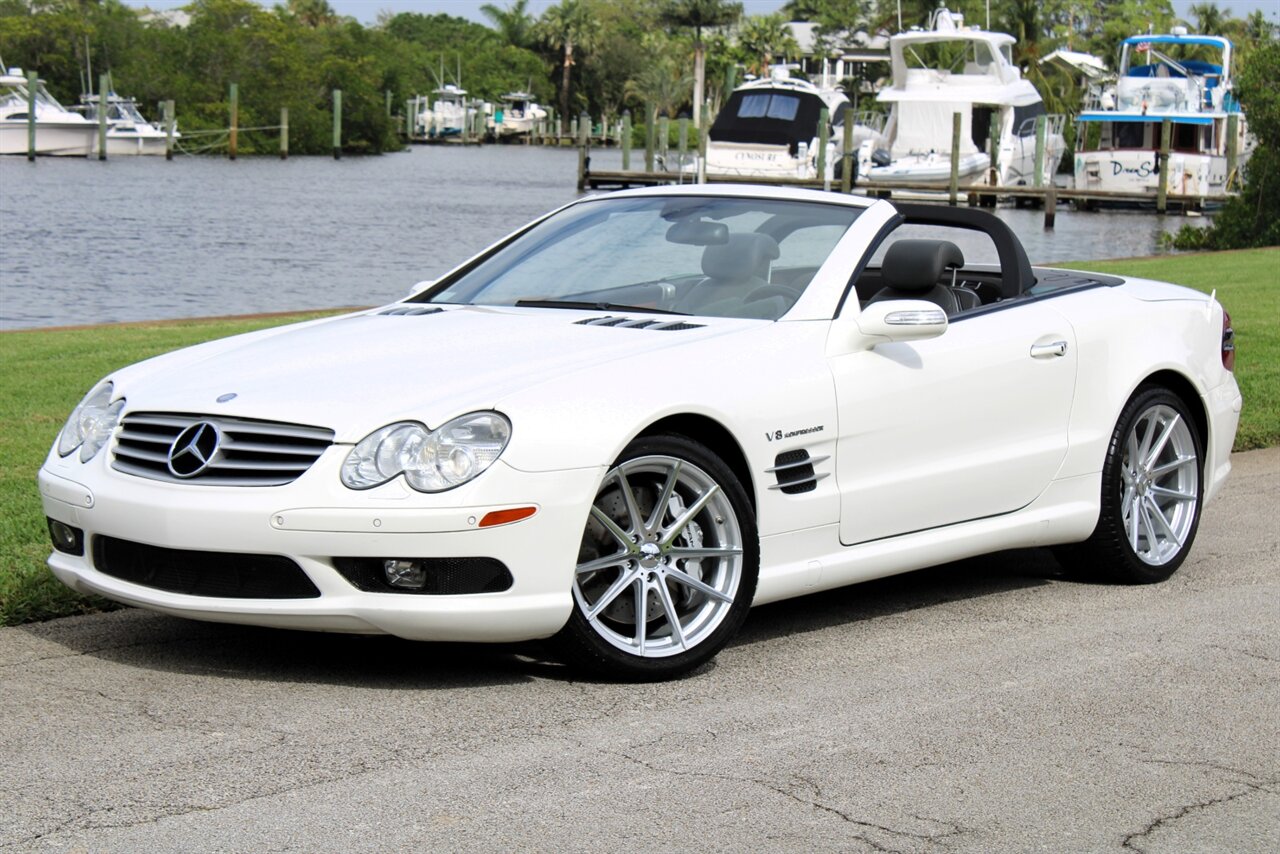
x=45, y=372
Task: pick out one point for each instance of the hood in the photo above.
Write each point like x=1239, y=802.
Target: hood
x=356, y=373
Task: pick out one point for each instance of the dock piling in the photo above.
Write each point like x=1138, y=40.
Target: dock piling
x=1233, y=134
x=1041, y=124
x=233, y=134
x=704, y=128
x=169, y=122
x=104, y=81
x=847, y=156
x=664, y=135
x=626, y=140
x=651, y=116
x=954, y=185
x=993, y=146
x=824, y=136
x=683, y=141
x=284, y=133
x=1050, y=205
x=583, y=126
x=337, y=124
x=1162, y=179
x=33, y=80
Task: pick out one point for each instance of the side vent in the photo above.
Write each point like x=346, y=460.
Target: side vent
x=795, y=473
x=633, y=323
x=406, y=310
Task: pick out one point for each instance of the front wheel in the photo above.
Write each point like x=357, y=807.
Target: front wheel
x=1151, y=494
x=667, y=565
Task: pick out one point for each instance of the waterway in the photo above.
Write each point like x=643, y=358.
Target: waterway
x=139, y=238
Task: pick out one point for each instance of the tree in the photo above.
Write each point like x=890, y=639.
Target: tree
x=764, y=38
x=1210, y=20
x=663, y=84
x=513, y=23
x=564, y=27
x=699, y=15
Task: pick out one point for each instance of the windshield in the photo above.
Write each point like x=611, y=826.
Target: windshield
x=718, y=257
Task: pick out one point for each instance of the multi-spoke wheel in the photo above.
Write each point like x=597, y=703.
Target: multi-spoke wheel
x=667, y=565
x=1150, y=493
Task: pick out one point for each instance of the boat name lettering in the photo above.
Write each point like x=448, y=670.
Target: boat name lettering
x=754, y=155
x=1144, y=170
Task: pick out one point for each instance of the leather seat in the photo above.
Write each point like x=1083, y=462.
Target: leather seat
x=733, y=270
x=913, y=269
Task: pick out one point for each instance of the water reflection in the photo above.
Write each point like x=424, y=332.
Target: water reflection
x=138, y=238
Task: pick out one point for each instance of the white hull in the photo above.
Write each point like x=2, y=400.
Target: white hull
x=55, y=139
x=753, y=160
x=1135, y=172
x=932, y=169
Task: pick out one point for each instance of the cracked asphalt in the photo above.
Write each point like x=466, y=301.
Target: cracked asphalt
x=988, y=705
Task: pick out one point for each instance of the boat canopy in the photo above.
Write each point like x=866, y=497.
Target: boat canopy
x=768, y=116
x=1197, y=67
x=1212, y=41
x=1148, y=117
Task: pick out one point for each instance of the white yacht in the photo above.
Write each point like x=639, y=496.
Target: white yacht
x=58, y=130
x=448, y=114
x=128, y=133
x=1180, y=77
x=946, y=69
x=769, y=127
x=518, y=116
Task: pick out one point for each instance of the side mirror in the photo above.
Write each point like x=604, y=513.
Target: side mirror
x=421, y=286
x=900, y=320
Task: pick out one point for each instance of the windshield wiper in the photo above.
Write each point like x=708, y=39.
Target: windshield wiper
x=599, y=306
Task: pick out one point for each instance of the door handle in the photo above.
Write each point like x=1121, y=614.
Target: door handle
x=1049, y=351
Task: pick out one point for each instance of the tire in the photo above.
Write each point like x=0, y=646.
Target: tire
x=1152, y=490
x=697, y=557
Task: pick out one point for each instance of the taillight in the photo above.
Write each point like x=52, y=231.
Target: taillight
x=1228, y=343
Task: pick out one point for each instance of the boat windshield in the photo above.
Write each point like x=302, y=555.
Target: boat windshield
x=954, y=56
x=719, y=257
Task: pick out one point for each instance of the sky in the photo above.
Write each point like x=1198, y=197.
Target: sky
x=366, y=11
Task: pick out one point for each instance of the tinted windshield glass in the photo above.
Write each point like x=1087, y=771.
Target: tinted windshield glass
x=688, y=254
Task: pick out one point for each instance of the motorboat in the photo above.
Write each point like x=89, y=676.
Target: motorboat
x=128, y=132
x=517, y=116
x=769, y=127
x=1180, y=77
x=951, y=68
x=448, y=114
x=59, y=131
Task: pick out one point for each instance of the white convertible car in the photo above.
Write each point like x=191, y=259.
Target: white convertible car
x=626, y=423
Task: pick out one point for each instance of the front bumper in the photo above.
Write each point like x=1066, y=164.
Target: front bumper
x=315, y=519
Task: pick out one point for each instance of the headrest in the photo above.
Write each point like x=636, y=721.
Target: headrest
x=744, y=256
x=918, y=265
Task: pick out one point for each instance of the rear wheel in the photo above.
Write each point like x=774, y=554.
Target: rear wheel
x=667, y=565
x=1151, y=494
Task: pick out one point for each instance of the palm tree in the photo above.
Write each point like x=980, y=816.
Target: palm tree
x=565, y=27
x=699, y=14
x=763, y=38
x=663, y=84
x=1210, y=20
x=513, y=23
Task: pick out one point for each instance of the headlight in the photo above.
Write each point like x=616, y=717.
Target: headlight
x=91, y=423
x=430, y=460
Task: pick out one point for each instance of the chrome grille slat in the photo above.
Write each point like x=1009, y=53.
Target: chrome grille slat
x=249, y=453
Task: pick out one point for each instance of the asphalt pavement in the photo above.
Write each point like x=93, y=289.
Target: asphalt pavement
x=988, y=705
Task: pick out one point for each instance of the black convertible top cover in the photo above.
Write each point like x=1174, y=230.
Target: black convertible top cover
x=765, y=129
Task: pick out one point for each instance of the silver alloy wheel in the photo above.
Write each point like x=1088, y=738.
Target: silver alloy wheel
x=1161, y=485
x=661, y=558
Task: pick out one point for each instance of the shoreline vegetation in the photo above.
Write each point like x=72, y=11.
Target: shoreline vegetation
x=48, y=370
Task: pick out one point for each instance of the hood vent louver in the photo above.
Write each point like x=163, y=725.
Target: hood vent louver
x=795, y=473
x=407, y=310
x=639, y=323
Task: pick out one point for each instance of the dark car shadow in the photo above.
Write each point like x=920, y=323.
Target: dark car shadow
x=151, y=641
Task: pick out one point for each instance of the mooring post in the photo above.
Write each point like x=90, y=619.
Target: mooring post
x=33, y=80
x=664, y=137
x=702, y=141
x=954, y=185
x=583, y=123
x=104, y=81
x=573, y=127
x=824, y=136
x=626, y=140
x=169, y=122
x=559, y=127
x=1162, y=180
x=846, y=157
x=284, y=133
x=651, y=116
x=683, y=141
x=1050, y=205
x=1040, y=151
x=233, y=136
x=388, y=103
x=337, y=124
x=1233, y=133
x=993, y=144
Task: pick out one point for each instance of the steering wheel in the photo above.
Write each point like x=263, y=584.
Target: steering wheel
x=766, y=291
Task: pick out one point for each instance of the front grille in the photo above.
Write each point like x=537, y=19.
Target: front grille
x=248, y=453
x=220, y=574
x=446, y=576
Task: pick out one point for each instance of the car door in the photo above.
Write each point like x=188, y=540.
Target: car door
x=964, y=426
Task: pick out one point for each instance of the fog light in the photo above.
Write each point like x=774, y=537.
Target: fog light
x=408, y=574
x=66, y=538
